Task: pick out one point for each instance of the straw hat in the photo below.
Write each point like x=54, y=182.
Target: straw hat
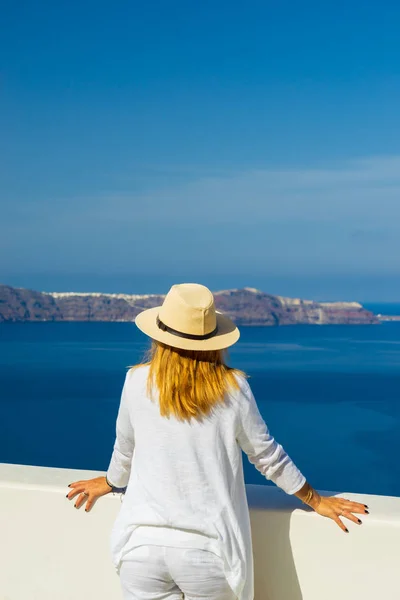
x=188, y=320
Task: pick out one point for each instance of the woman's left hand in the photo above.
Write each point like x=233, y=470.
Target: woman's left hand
x=334, y=508
x=88, y=491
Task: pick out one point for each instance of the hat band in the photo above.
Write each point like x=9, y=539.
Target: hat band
x=188, y=336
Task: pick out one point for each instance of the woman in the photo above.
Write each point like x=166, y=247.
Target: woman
x=183, y=530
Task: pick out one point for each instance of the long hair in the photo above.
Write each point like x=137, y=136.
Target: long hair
x=189, y=382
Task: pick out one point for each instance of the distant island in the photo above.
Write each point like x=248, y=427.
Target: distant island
x=247, y=306
x=388, y=318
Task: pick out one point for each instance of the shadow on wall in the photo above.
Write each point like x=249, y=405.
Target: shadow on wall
x=275, y=574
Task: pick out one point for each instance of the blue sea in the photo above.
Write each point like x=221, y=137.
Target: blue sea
x=330, y=396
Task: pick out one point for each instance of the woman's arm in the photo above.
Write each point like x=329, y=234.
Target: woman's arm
x=120, y=465
x=262, y=449
x=88, y=491
x=272, y=461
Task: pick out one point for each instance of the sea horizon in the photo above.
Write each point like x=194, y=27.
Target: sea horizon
x=330, y=395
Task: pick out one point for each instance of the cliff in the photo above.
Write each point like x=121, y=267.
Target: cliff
x=246, y=306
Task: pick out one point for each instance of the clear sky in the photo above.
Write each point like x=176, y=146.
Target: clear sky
x=230, y=143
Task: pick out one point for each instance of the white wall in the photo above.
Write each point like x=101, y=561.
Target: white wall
x=51, y=551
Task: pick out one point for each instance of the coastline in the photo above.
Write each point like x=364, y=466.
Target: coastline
x=388, y=318
x=245, y=306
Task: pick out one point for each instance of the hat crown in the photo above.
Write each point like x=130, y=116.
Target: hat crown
x=189, y=308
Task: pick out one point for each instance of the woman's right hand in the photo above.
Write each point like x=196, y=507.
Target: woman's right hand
x=88, y=490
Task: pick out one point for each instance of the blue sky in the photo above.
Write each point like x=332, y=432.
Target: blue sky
x=234, y=144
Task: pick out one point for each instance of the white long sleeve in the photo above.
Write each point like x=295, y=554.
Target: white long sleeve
x=188, y=476
x=120, y=465
x=262, y=449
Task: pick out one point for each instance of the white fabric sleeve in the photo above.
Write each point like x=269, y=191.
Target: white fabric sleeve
x=120, y=465
x=261, y=448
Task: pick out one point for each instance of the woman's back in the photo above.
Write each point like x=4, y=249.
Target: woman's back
x=185, y=469
x=187, y=475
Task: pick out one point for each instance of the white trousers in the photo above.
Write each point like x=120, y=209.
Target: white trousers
x=165, y=573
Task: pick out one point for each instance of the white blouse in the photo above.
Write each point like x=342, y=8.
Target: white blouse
x=185, y=479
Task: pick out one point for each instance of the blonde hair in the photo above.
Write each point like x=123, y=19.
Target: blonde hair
x=189, y=382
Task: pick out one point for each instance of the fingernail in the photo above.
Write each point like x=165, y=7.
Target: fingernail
x=347, y=531
x=86, y=510
x=366, y=506
x=66, y=496
x=69, y=485
x=366, y=512
x=359, y=520
x=75, y=506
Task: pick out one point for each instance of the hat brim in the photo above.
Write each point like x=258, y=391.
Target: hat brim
x=227, y=333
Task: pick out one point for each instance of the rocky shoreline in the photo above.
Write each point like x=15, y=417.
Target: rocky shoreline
x=247, y=307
